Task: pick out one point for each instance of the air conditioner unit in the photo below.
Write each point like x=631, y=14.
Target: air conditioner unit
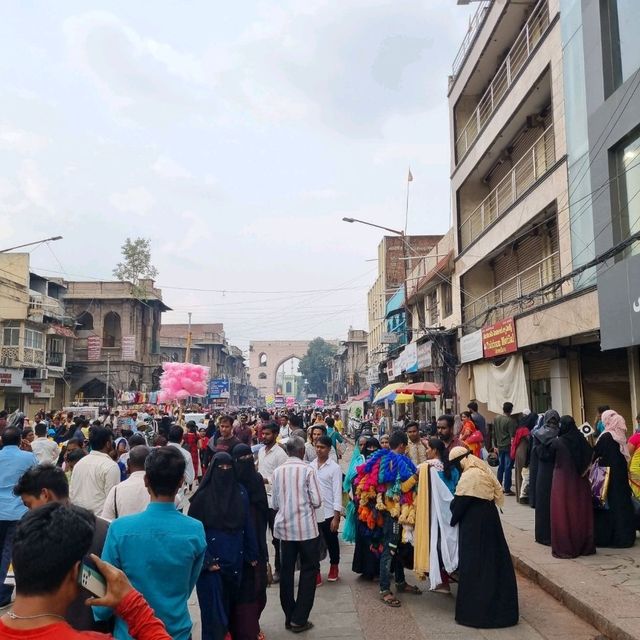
x=43, y=374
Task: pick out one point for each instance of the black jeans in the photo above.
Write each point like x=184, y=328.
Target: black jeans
x=297, y=609
x=331, y=540
x=274, y=541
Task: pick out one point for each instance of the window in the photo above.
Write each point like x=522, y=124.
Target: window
x=33, y=339
x=432, y=308
x=262, y=376
x=195, y=358
x=447, y=300
x=111, y=332
x=620, y=27
x=626, y=206
x=263, y=359
x=85, y=321
x=11, y=337
x=288, y=388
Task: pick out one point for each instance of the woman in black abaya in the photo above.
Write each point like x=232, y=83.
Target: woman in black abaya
x=541, y=474
x=488, y=592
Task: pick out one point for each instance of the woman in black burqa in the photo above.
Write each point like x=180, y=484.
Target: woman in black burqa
x=252, y=594
x=571, y=508
x=221, y=503
x=541, y=474
x=488, y=592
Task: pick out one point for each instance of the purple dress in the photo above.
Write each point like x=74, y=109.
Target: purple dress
x=571, y=508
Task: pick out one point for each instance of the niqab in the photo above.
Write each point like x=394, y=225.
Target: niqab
x=549, y=428
x=249, y=478
x=615, y=425
x=218, y=501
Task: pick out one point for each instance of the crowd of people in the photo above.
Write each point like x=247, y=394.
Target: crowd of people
x=163, y=509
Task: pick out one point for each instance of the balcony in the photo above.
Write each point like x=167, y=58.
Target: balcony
x=530, y=168
x=521, y=51
x=522, y=284
x=56, y=359
x=474, y=27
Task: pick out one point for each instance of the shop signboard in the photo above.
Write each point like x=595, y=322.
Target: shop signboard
x=410, y=358
x=471, y=347
x=391, y=370
x=41, y=389
x=372, y=375
x=218, y=388
x=499, y=339
x=128, y=347
x=11, y=377
x=425, y=360
x=389, y=338
x=94, y=347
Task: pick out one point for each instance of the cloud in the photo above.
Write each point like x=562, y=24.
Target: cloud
x=21, y=141
x=136, y=200
x=34, y=187
x=139, y=76
x=166, y=167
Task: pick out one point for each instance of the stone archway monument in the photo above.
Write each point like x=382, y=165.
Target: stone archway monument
x=265, y=358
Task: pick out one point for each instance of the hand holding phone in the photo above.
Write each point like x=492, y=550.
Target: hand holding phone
x=117, y=584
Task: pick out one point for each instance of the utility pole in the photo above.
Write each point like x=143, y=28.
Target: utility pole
x=29, y=244
x=187, y=357
x=108, y=376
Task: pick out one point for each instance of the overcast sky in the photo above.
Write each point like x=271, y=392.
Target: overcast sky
x=235, y=136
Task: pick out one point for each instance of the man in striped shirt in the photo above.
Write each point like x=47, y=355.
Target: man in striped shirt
x=296, y=496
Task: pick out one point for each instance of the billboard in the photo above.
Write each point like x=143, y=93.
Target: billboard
x=218, y=388
x=499, y=339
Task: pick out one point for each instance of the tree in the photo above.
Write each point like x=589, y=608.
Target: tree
x=136, y=264
x=316, y=365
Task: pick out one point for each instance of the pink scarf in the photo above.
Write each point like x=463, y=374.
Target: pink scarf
x=615, y=425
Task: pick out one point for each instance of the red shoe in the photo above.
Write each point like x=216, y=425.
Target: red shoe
x=319, y=580
x=333, y=573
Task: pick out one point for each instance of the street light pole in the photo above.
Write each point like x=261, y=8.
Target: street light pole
x=371, y=224
x=29, y=244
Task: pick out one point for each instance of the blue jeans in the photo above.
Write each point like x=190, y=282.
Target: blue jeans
x=7, y=530
x=388, y=561
x=505, y=465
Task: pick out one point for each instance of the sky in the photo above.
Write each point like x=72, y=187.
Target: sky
x=236, y=136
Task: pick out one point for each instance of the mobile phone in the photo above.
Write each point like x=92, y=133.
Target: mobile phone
x=91, y=579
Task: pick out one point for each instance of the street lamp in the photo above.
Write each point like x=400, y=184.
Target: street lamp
x=28, y=244
x=371, y=224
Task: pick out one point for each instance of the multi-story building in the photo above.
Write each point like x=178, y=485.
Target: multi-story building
x=522, y=213
x=397, y=256
x=210, y=348
x=36, y=337
x=607, y=139
x=118, y=345
x=348, y=375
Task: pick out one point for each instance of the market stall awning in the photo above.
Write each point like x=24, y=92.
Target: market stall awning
x=361, y=396
x=421, y=388
x=389, y=390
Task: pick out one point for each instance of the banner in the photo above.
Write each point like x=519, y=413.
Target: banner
x=94, y=347
x=128, y=347
x=471, y=347
x=218, y=388
x=499, y=339
x=425, y=359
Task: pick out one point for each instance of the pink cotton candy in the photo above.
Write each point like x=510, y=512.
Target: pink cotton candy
x=180, y=380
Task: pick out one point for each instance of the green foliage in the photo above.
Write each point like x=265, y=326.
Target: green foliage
x=136, y=264
x=316, y=365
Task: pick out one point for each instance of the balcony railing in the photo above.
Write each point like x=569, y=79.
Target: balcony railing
x=522, y=284
x=474, y=26
x=55, y=359
x=533, y=165
x=505, y=76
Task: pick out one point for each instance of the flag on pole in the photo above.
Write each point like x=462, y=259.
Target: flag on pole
x=410, y=176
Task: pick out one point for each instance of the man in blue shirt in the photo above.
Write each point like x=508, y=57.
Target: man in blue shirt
x=161, y=550
x=13, y=463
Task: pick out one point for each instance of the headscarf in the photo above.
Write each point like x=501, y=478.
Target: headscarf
x=249, y=478
x=357, y=458
x=529, y=420
x=218, y=501
x=548, y=430
x=579, y=449
x=369, y=444
x=476, y=480
x=615, y=425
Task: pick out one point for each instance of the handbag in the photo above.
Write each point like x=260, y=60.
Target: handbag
x=599, y=480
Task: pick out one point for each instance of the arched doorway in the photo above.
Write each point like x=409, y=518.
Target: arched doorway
x=95, y=389
x=289, y=382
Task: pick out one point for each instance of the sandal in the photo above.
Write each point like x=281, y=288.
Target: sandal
x=403, y=587
x=389, y=599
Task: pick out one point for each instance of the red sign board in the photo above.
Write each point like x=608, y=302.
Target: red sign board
x=499, y=339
